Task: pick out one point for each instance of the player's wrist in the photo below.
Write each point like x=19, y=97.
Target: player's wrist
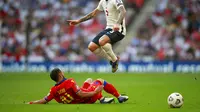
x=79, y=21
x=30, y=102
x=95, y=92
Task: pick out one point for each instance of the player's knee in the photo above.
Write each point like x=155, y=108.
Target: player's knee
x=102, y=42
x=89, y=80
x=101, y=80
x=92, y=47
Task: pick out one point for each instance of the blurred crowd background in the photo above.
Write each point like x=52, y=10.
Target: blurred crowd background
x=51, y=39
x=172, y=32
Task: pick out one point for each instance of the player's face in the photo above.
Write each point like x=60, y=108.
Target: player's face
x=61, y=75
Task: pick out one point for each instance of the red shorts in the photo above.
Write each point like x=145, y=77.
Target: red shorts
x=87, y=87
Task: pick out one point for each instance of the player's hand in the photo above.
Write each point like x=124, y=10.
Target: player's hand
x=28, y=102
x=73, y=22
x=99, y=89
x=116, y=27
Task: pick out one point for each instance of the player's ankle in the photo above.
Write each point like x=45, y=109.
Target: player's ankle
x=101, y=98
x=119, y=96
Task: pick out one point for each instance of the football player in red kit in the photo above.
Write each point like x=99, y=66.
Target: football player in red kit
x=66, y=91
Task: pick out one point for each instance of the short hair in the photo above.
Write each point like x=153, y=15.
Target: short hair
x=54, y=74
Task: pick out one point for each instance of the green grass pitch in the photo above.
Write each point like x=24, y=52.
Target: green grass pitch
x=147, y=92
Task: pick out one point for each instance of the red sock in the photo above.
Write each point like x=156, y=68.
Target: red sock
x=109, y=88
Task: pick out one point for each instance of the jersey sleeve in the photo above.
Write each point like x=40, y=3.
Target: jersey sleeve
x=49, y=96
x=100, y=7
x=118, y=3
x=74, y=86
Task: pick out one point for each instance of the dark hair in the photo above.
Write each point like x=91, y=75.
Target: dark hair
x=54, y=74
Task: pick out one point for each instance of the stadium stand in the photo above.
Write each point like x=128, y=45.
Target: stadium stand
x=51, y=39
x=171, y=33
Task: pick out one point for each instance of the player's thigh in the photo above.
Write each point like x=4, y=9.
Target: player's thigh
x=87, y=83
x=93, y=46
x=96, y=39
x=95, y=84
x=115, y=37
x=104, y=39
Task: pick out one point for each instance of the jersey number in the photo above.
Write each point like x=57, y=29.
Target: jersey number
x=66, y=98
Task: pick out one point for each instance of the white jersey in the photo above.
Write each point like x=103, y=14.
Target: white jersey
x=110, y=7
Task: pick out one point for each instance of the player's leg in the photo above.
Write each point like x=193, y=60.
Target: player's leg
x=101, y=98
x=104, y=42
x=96, y=49
x=87, y=83
x=86, y=87
x=109, y=88
x=98, y=96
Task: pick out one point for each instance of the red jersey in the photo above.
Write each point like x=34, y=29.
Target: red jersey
x=65, y=92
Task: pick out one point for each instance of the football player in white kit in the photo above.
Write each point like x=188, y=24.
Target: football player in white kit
x=115, y=30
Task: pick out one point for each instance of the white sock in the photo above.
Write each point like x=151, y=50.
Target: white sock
x=108, y=48
x=100, y=52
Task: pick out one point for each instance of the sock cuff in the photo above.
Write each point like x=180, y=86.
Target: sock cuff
x=105, y=83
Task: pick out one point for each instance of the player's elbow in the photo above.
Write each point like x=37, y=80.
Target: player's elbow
x=125, y=12
x=122, y=11
x=95, y=12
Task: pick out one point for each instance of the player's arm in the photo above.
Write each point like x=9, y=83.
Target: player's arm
x=45, y=100
x=89, y=16
x=41, y=101
x=122, y=14
x=83, y=94
x=89, y=94
x=85, y=18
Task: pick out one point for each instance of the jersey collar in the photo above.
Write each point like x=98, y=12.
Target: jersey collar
x=61, y=82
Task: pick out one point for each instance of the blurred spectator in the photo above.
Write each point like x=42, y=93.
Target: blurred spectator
x=171, y=33
x=50, y=38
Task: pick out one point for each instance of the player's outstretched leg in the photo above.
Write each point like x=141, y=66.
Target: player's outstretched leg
x=99, y=51
x=104, y=41
x=109, y=88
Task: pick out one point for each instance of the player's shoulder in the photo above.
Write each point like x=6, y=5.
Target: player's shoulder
x=70, y=80
x=53, y=88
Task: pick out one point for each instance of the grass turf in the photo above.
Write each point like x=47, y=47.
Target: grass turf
x=147, y=92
